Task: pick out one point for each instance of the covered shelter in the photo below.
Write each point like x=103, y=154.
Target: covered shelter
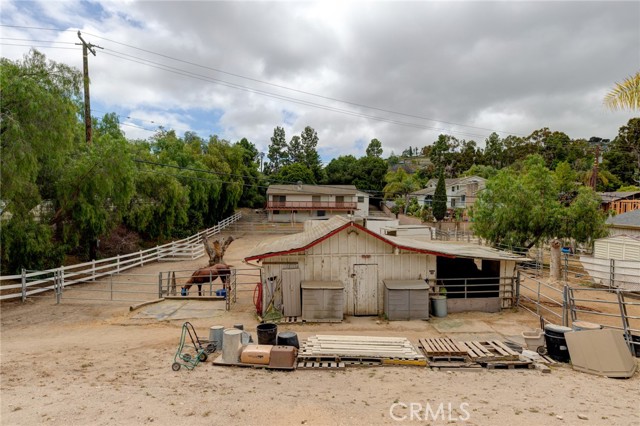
x=341, y=250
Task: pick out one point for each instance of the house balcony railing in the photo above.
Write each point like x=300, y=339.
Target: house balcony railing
x=311, y=205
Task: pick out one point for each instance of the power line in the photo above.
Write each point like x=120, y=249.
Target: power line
x=283, y=97
x=208, y=79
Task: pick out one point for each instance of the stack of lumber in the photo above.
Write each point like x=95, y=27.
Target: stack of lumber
x=364, y=349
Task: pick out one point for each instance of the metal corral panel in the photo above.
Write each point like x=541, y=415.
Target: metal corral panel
x=322, y=300
x=291, y=297
x=406, y=299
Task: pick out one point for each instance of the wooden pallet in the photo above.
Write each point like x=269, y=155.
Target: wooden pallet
x=509, y=365
x=323, y=365
x=454, y=365
x=292, y=320
x=491, y=350
x=441, y=347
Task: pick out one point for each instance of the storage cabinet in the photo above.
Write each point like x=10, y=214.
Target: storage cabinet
x=322, y=301
x=406, y=300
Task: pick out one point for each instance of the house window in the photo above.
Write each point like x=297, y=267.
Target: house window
x=453, y=202
x=321, y=213
x=361, y=199
x=463, y=198
x=280, y=198
x=276, y=212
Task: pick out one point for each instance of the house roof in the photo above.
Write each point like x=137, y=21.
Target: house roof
x=302, y=241
x=313, y=189
x=625, y=220
x=608, y=197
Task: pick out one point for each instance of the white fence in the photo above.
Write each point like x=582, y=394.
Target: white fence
x=36, y=282
x=624, y=274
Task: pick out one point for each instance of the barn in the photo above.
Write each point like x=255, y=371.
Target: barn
x=355, y=263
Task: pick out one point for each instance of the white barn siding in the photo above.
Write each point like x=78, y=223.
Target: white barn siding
x=335, y=258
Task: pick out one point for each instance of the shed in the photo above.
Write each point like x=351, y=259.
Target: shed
x=619, y=247
x=322, y=301
x=406, y=299
x=340, y=249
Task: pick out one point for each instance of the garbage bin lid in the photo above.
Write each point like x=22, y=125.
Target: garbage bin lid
x=584, y=325
x=557, y=328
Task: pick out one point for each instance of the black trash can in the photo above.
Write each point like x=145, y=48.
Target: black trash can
x=288, y=338
x=556, y=343
x=267, y=334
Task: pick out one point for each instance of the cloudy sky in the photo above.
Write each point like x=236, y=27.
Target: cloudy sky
x=402, y=72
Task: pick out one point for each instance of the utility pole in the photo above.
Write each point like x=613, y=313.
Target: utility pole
x=87, y=103
x=594, y=174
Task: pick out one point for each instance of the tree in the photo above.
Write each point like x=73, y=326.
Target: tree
x=38, y=126
x=440, y=198
x=296, y=152
x=493, y=151
x=400, y=184
x=294, y=173
x=369, y=174
x=524, y=208
x=311, y=158
x=374, y=149
x=341, y=170
x=278, y=150
x=625, y=95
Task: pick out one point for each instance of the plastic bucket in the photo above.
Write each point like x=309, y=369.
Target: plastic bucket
x=267, y=334
x=288, y=338
x=439, y=304
x=556, y=343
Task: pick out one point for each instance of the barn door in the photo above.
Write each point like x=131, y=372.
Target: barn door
x=291, y=300
x=365, y=289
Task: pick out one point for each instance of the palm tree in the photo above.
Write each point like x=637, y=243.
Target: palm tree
x=625, y=95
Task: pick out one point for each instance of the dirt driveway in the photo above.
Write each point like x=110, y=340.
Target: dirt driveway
x=95, y=363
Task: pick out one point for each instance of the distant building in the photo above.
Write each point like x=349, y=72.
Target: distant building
x=461, y=192
x=620, y=202
x=625, y=224
x=297, y=203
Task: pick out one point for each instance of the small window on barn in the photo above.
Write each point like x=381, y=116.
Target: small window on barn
x=361, y=199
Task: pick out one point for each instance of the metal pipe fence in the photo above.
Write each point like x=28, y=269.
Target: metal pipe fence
x=33, y=283
x=611, y=308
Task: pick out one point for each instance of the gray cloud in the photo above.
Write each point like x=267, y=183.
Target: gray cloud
x=512, y=67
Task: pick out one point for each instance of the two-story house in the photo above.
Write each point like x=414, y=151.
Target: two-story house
x=297, y=203
x=461, y=192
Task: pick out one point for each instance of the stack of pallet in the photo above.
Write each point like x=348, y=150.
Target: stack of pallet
x=360, y=350
x=446, y=353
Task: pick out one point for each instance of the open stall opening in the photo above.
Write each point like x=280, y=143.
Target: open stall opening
x=469, y=278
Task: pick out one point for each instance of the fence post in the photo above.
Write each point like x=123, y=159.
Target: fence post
x=564, y=305
x=612, y=272
x=141, y=258
x=60, y=281
x=538, y=301
x=118, y=263
x=160, y=285
x=517, y=288
x=93, y=270
x=24, y=285
x=111, y=286
x=566, y=267
x=157, y=254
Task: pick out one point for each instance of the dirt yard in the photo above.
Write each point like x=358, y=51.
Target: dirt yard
x=95, y=363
